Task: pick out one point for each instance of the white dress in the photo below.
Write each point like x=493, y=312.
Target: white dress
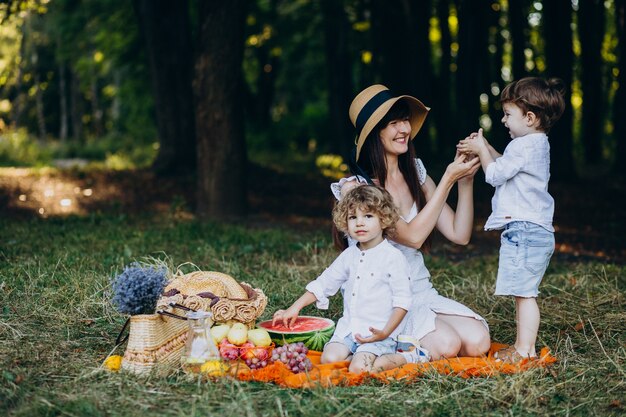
x=427, y=303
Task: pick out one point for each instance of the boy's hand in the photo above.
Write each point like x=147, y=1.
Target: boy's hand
x=473, y=144
x=286, y=317
x=376, y=336
x=466, y=155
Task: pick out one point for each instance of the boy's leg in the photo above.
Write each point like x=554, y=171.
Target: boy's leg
x=363, y=362
x=528, y=317
x=390, y=361
x=335, y=352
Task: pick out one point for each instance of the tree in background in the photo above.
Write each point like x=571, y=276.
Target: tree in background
x=443, y=104
x=167, y=33
x=338, y=73
x=591, y=32
x=557, y=35
x=304, y=61
x=518, y=24
x=218, y=93
x=619, y=104
x=471, y=75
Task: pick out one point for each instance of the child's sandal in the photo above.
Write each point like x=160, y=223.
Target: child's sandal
x=510, y=355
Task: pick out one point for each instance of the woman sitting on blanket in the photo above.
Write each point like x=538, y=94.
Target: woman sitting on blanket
x=385, y=124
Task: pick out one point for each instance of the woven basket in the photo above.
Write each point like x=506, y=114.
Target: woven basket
x=218, y=293
x=156, y=341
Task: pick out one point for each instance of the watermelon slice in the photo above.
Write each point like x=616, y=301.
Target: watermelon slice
x=314, y=332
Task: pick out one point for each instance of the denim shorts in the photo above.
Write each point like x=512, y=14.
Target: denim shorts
x=525, y=251
x=382, y=347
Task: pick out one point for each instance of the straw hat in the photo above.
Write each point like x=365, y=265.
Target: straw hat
x=372, y=104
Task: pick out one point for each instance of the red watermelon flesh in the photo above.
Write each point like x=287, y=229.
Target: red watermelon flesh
x=314, y=332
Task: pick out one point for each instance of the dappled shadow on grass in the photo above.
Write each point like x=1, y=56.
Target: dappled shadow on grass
x=589, y=219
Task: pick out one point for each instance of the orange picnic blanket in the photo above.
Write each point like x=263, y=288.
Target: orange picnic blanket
x=337, y=373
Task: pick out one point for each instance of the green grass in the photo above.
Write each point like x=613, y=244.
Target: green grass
x=56, y=326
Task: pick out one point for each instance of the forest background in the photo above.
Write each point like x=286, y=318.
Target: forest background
x=215, y=96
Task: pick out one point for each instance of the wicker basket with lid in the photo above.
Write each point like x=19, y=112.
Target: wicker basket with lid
x=159, y=340
x=219, y=293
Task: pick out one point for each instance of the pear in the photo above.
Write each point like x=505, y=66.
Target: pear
x=219, y=332
x=259, y=337
x=238, y=334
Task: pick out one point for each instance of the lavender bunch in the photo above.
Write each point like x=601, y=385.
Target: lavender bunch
x=137, y=289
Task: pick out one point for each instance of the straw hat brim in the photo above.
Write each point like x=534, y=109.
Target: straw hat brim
x=418, y=115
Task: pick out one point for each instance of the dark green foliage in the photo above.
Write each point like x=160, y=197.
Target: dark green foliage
x=77, y=71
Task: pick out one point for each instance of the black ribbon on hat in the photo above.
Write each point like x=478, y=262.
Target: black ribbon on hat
x=355, y=169
x=370, y=107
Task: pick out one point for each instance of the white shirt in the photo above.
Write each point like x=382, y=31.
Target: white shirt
x=521, y=178
x=373, y=282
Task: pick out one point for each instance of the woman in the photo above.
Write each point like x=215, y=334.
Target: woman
x=385, y=125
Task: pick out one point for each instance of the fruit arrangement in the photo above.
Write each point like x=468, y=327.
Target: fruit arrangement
x=254, y=347
x=237, y=342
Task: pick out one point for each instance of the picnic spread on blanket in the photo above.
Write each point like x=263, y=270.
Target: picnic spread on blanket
x=205, y=323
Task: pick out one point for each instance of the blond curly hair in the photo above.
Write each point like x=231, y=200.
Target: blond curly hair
x=370, y=198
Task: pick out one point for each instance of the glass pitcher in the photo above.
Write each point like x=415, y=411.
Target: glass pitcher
x=200, y=347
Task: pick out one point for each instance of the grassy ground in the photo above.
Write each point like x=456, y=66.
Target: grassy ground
x=56, y=325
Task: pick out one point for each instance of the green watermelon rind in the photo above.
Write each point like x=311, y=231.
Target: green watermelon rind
x=313, y=339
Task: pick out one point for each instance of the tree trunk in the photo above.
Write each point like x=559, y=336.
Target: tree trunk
x=76, y=107
x=393, y=43
x=167, y=33
x=338, y=70
x=518, y=11
x=619, y=103
x=402, y=51
x=219, y=110
x=18, y=101
x=422, y=75
x=41, y=119
x=557, y=35
x=591, y=31
x=63, y=114
x=443, y=106
x=16, y=111
x=96, y=110
x=268, y=68
x=498, y=136
x=116, y=104
x=471, y=78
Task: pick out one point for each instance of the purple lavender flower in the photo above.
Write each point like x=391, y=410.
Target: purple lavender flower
x=137, y=289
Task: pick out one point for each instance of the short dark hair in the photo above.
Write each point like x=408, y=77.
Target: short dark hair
x=543, y=97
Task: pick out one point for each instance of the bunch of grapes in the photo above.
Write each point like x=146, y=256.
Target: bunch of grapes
x=255, y=363
x=293, y=355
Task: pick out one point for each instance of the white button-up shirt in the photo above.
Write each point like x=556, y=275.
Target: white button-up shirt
x=373, y=282
x=521, y=178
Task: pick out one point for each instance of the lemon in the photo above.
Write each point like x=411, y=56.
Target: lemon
x=214, y=368
x=113, y=363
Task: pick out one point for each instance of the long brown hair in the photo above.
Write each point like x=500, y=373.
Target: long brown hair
x=372, y=161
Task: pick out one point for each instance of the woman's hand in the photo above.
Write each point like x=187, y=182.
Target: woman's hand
x=462, y=167
x=469, y=177
x=348, y=186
